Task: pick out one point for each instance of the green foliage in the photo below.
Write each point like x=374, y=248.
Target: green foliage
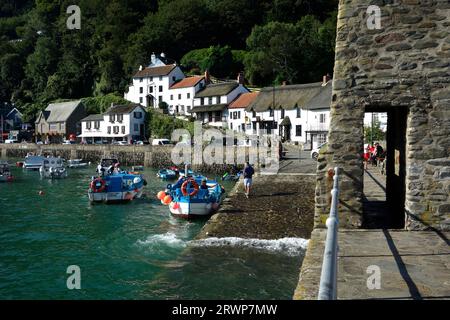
x=101, y=103
x=162, y=125
x=376, y=134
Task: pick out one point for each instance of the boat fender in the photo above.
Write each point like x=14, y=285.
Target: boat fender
x=193, y=183
x=136, y=180
x=98, y=185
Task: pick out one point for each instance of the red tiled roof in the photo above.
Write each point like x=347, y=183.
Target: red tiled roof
x=187, y=82
x=243, y=100
x=155, y=71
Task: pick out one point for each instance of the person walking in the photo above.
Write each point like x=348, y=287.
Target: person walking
x=248, y=175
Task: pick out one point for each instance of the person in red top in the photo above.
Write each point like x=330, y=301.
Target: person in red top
x=367, y=155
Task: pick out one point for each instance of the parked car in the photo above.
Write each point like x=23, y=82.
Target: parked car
x=139, y=143
x=161, y=142
x=69, y=142
x=11, y=141
x=315, y=152
x=39, y=142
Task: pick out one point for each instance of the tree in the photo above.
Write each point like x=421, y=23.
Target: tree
x=375, y=134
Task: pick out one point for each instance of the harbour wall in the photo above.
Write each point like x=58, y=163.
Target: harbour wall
x=147, y=155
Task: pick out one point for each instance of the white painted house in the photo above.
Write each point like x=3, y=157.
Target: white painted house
x=182, y=93
x=151, y=85
x=238, y=118
x=297, y=113
x=118, y=123
x=211, y=103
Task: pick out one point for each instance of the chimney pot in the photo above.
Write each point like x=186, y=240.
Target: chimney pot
x=207, y=79
x=140, y=67
x=240, y=78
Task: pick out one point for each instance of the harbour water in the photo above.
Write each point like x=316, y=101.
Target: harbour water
x=127, y=251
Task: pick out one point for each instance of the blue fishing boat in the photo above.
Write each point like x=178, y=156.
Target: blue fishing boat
x=182, y=173
x=188, y=198
x=117, y=187
x=166, y=174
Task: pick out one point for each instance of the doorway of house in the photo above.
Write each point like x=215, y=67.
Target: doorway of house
x=384, y=176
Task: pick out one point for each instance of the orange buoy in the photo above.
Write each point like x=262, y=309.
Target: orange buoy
x=167, y=199
x=176, y=206
x=161, y=195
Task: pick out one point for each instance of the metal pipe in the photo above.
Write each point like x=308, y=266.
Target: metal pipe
x=328, y=277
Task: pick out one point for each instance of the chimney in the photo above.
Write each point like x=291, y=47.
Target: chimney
x=153, y=58
x=163, y=55
x=240, y=78
x=326, y=78
x=207, y=79
x=140, y=67
x=283, y=83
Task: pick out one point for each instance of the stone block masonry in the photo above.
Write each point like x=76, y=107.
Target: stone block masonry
x=405, y=65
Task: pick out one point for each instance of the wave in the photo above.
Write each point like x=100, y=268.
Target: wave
x=169, y=239
x=288, y=246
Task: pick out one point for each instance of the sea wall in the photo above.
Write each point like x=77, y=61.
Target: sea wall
x=147, y=155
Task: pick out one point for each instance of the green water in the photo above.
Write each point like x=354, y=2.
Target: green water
x=127, y=251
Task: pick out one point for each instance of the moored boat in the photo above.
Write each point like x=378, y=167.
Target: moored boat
x=106, y=166
x=53, y=168
x=5, y=173
x=117, y=187
x=166, y=174
x=33, y=162
x=187, y=199
x=76, y=163
x=182, y=173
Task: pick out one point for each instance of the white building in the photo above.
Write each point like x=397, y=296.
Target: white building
x=297, y=113
x=118, y=123
x=182, y=93
x=151, y=85
x=238, y=118
x=211, y=103
x=380, y=117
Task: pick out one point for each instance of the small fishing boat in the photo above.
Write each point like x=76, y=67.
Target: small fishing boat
x=186, y=199
x=76, y=163
x=118, y=187
x=166, y=174
x=33, y=162
x=53, y=168
x=5, y=173
x=106, y=166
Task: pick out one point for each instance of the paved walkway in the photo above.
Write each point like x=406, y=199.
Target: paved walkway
x=374, y=200
x=412, y=264
x=297, y=161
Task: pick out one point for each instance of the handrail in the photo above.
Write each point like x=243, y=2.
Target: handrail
x=328, y=277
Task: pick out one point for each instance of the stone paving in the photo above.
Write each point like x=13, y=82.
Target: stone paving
x=412, y=264
x=297, y=161
x=374, y=200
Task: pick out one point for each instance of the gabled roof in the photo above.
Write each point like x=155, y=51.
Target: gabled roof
x=187, y=82
x=155, y=71
x=61, y=111
x=123, y=108
x=292, y=96
x=243, y=100
x=93, y=117
x=217, y=89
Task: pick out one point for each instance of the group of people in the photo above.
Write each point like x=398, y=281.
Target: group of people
x=112, y=169
x=373, y=153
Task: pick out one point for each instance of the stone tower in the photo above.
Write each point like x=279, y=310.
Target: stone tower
x=402, y=68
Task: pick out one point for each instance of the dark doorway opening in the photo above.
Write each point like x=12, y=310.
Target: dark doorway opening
x=384, y=176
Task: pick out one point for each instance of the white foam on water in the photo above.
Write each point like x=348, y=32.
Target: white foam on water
x=287, y=246
x=169, y=239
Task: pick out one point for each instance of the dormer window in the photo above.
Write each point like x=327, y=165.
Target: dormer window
x=299, y=112
x=210, y=100
x=202, y=101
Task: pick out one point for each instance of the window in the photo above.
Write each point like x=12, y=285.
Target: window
x=171, y=97
x=218, y=99
x=299, y=112
x=238, y=114
x=141, y=100
x=160, y=99
x=160, y=78
x=138, y=115
x=151, y=79
x=188, y=95
x=282, y=113
x=253, y=114
x=202, y=101
x=322, y=118
x=179, y=96
x=141, y=89
x=123, y=129
x=174, y=79
x=298, y=130
x=88, y=124
x=97, y=125
x=109, y=129
x=210, y=100
x=231, y=125
x=136, y=127
x=270, y=112
x=112, y=117
x=119, y=117
x=151, y=89
x=141, y=79
x=62, y=126
x=160, y=88
x=116, y=129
